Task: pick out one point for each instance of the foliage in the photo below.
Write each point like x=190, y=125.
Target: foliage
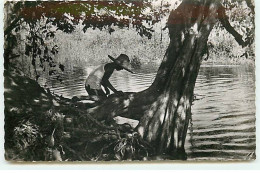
x=136, y=63
x=241, y=16
x=48, y=141
x=25, y=135
x=34, y=39
x=97, y=14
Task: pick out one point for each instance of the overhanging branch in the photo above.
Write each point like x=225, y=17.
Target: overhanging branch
x=11, y=26
x=224, y=21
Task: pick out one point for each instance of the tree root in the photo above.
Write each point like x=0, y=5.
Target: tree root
x=74, y=152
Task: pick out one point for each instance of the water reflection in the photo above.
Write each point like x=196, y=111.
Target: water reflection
x=223, y=120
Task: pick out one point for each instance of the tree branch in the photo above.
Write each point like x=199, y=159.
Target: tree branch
x=224, y=21
x=11, y=26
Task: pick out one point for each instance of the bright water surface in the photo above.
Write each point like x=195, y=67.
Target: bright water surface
x=223, y=120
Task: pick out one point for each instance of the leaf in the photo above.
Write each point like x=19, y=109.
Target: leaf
x=42, y=42
x=118, y=157
x=33, y=61
x=28, y=49
x=61, y=67
x=37, y=77
x=17, y=29
x=46, y=50
x=54, y=50
x=123, y=151
x=51, y=72
x=39, y=51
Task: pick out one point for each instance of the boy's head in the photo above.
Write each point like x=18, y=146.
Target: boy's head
x=122, y=62
x=118, y=68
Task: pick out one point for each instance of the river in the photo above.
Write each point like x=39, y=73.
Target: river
x=223, y=113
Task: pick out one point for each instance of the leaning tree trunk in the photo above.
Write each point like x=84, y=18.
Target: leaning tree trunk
x=166, y=121
x=164, y=109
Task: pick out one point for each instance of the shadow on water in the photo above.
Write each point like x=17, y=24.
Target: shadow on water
x=223, y=120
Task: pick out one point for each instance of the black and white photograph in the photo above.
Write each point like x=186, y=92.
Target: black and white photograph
x=131, y=80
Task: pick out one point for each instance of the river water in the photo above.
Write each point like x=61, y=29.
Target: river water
x=223, y=113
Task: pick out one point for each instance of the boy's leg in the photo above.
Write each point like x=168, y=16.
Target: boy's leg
x=90, y=91
x=101, y=93
x=94, y=92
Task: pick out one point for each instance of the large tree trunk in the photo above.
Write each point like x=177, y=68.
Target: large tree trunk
x=164, y=109
x=189, y=27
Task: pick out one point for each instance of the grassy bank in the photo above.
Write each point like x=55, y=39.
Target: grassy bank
x=92, y=47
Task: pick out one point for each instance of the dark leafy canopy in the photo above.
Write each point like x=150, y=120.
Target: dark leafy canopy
x=96, y=14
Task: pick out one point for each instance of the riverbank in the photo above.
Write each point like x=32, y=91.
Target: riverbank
x=229, y=61
x=150, y=65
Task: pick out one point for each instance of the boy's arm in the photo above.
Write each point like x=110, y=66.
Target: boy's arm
x=107, y=90
x=105, y=80
x=107, y=84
